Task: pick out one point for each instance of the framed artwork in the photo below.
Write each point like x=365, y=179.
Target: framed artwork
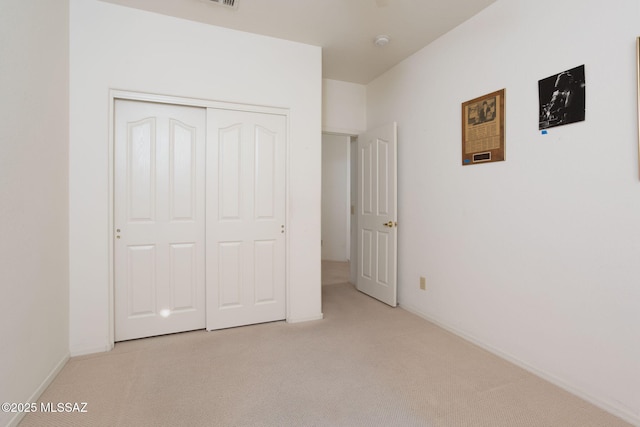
x=483, y=129
x=562, y=98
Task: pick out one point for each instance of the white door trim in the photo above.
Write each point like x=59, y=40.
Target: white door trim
x=192, y=102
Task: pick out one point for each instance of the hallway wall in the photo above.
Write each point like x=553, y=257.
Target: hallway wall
x=335, y=197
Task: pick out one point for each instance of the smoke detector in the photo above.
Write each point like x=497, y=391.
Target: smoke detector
x=233, y=4
x=382, y=40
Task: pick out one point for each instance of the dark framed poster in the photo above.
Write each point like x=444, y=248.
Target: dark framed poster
x=483, y=129
x=562, y=98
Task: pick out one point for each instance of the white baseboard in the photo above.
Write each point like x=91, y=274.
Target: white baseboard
x=305, y=319
x=38, y=392
x=603, y=404
x=90, y=350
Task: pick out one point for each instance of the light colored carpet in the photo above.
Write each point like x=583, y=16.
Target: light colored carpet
x=365, y=364
x=334, y=272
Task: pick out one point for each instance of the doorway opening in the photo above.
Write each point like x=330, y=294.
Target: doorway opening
x=338, y=234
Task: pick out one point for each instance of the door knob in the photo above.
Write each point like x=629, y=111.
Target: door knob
x=389, y=224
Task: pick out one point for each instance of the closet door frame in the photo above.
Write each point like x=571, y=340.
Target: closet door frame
x=192, y=102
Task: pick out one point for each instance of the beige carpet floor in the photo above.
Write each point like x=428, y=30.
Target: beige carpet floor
x=334, y=272
x=365, y=364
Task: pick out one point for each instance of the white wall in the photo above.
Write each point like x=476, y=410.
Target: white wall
x=343, y=107
x=34, y=279
x=114, y=47
x=537, y=257
x=335, y=197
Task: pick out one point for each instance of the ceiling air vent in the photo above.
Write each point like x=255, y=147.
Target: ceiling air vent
x=227, y=3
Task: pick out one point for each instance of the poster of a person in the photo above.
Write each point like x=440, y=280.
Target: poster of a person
x=562, y=98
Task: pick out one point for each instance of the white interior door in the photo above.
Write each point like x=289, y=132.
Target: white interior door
x=245, y=218
x=377, y=216
x=159, y=215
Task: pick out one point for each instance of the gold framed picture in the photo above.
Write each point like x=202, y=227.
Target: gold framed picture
x=483, y=125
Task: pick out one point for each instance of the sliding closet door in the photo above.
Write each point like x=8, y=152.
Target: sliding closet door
x=245, y=240
x=159, y=218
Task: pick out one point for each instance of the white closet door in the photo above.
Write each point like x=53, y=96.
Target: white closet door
x=159, y=219
x=245, y=218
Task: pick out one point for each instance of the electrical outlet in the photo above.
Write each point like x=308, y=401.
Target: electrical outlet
x=423, y=283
